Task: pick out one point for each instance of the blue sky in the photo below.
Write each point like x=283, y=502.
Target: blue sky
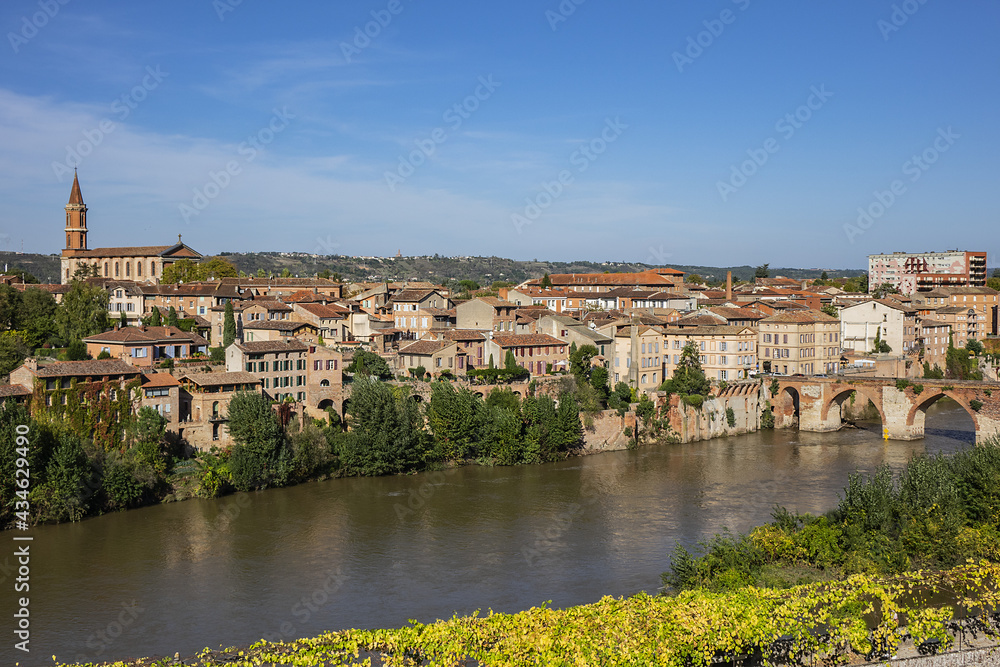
x=720, y=132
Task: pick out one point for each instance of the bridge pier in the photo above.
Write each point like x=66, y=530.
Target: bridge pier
x=816, y=415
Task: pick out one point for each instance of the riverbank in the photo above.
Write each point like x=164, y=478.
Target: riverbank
x=860, y=619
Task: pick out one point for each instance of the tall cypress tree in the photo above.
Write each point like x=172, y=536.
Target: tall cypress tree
x=228, y=326
x=172, y=317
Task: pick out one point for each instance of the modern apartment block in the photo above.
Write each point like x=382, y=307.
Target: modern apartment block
x=913, y=272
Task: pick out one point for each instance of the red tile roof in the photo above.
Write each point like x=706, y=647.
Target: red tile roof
x=273, y=346
x=88, y=368
x=424, y=347
x=151, y=380
x=520, y=340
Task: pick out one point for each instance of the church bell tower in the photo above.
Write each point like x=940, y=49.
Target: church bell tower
x=76, y=219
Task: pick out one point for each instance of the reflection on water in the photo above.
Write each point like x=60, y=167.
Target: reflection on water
x=377, y=552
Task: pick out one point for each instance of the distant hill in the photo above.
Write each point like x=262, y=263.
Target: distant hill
x=44, y=267
x=433, y=268
x=483, y=270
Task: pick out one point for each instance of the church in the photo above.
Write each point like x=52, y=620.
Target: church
x=140, y=263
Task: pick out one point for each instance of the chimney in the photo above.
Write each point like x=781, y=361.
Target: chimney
x=729, y=286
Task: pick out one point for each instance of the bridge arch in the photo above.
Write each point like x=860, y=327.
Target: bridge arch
x=844, y=394
x=919, y=410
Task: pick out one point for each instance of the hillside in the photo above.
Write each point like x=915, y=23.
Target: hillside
x=433, y=268
x=483, y=270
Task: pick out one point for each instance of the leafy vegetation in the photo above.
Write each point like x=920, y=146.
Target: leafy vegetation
x=936, y=513
x=827, y=623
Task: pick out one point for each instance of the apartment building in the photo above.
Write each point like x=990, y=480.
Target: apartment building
x=803, y=342
x=486, y=314
x=539, y=353
x=144, y=346
x=204, y=406
x=637, y=356
x=726, y=352
x=892, y=322
x=279, y=365
x=923, y=271
x=437, y=357
x=984, y=300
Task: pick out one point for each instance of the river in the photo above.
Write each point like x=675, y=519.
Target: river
x=366, y=553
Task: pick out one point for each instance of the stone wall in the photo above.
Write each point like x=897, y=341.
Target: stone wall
x=692, y=424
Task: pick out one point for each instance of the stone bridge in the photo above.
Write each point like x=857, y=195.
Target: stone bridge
x=816, y=404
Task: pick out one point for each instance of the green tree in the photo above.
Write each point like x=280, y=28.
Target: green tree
x=386, y=434
x=216, y=268
x=468, y=285
x=824, y=277
x=122, y=320
x=185, y=270
x=156, y=319
x=695, y=279
x=455, y=417
x=509, y=361
x=228, y=325
x=579, y=361
x=880, y=346
x=831, y=310
x=77, y=351
x=148, y=437
x=261, y=273
x=546, y=282
x=64, y=495
x=599, y=381
x=84, y=271
x=932, y=374
x=37, y=319
x=884, y=290
x=994, y=282
x=285, y=273
x=503, y=397
x=762, y=271
x=974, y=347
x=10, y=307
x=172, y=317
x=689, y=378
x=13, y=351
x=254, y=428
x=368, y=363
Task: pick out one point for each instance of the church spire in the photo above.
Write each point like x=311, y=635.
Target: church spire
x=75, y=196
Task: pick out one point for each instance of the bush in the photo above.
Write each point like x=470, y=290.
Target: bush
x=694, y=400
x=976, y=405
x=217, y=355
x=730, y=417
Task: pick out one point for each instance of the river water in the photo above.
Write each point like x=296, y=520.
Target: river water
x=376, y=552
